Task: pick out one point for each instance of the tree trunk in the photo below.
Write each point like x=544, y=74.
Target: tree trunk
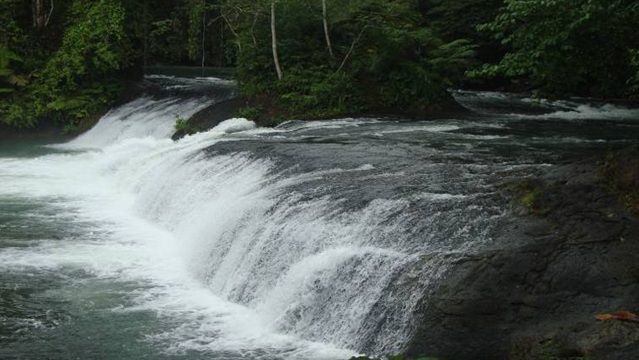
x=49, y=15
x=350, y=51
x=145, y=30
x=276, y=58
x=253, y=28
x=39, y=15
x=326, y=32
x=237, y=36
x=203, y=45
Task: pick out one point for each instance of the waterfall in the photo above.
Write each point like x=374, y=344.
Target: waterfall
x=246, y=247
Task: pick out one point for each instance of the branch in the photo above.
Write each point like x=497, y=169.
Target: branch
x=239, y=45
x=49, y=16
x=350, y=51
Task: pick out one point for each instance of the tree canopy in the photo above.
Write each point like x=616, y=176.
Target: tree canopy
x=61, y=60
x=583, y=47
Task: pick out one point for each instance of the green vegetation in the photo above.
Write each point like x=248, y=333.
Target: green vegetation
x=67, y=81
x=182, y=126
x=249, y=112
x=66, y=60
x=63, y=60
x=620, y=173
x=565, y=47
x=528, y=194
x=368, y=54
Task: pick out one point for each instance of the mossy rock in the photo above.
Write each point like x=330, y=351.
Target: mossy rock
x=619, y=171
x=528, y=194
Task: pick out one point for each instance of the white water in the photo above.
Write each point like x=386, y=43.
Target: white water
x=141, y=118
x=224, y=248
x=580, y=109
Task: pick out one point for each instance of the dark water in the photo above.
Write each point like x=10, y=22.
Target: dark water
x=311, y=240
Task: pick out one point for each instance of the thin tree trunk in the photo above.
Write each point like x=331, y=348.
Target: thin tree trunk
x=237, y=36
x=253, y=28
x=326, y=32
x=145, y=30
x=203, y=39
x=46, y=23
x=350, y=51
x=222, y=43
x=276, y=58
x=39, y=16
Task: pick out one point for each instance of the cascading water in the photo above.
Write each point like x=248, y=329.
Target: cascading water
x=310, y=240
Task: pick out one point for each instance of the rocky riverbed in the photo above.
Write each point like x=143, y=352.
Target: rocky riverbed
x=575, y=254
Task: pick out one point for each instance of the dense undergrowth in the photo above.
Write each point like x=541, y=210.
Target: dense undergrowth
x=64, y=60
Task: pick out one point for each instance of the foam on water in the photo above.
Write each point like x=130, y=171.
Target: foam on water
x=220, y=243
x=486, y=102
x=140, y=118
x=159, y=207
x=587, y=112
x=225, y=245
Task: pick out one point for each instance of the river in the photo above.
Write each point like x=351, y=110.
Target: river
x=311, y=240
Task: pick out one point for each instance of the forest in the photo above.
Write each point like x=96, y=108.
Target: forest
x=63, y=60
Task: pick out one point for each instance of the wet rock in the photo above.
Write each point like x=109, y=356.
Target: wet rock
x=537, y=298
x=211, y=116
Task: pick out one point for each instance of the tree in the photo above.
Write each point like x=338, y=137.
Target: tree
x=327, y=34
x=567, y=47
x=387, y=56
x=276, y=57
x=81, y=76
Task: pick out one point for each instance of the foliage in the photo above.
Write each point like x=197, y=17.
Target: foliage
x=77, y=78
x=567, y=46
x=249, y=112
x=316, y=92
x=183, y=126
x=8, y=78
x=384, y=56
x=397, y=55
x=73, y=66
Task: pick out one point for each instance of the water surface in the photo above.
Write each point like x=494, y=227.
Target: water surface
x=313, y=240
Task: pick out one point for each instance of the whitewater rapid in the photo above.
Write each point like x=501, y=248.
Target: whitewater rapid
x=311, y=240
x=154, y=209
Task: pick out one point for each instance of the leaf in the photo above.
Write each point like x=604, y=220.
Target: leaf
x=18, y=80
x=619, y=315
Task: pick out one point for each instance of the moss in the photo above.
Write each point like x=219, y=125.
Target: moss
x=529, y=199
x=619, y=172
x=545, y=349
x=183, y=126
x=528, y=194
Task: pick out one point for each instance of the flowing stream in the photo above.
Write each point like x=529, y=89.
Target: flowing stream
x=312, y=240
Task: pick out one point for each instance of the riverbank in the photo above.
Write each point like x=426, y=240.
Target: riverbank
x=574, y=255
x=52, y=129
x=566, y=288
x=266, y=113
x=493, y=236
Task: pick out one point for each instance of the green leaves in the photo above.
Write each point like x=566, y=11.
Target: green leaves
x=78, y=78
x=566, y=47
x=384, y=56
x=9, y=80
